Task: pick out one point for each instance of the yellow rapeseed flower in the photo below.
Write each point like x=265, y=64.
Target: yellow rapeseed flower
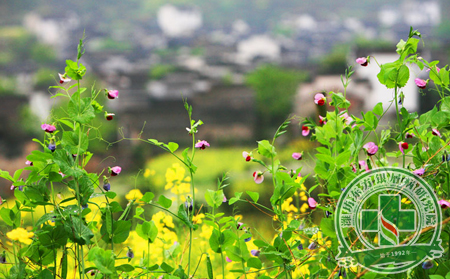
x=304, y=208
x=406, y=201
x=21, y=235
x=287, y=206
x=134, y=194
x=148, y=173
x=197, y=219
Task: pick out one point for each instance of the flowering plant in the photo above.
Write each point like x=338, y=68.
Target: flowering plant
x=79, y=228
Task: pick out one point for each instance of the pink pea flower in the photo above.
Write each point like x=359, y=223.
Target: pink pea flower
x=435, y=132
x=224, y=198
x=402, y=146
x=29, y=163
x=437, y=69
x=1, y=201
x=362, y=61
x=371, y=148
x=240, y=226
x=420, y=83
x=419, y=172
x=305, y=130
x=444, y=204
x=258, y=177
x=202, y=144
x=64, y=78
x=363, y=165
x=322, y=120
x=115, y=170
x=228, y=259
x=353, y=168
x=409, y=135
x=348, y=119
x=297, y=156
x=112, y=94
x=62, y=174
x=319, y=99
x=48, y=128
x=109, y=116
x=312, y=203
x=247, y=156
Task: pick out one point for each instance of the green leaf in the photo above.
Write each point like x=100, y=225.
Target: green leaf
x=147, y=230
x=403, y=76
x=255, y=263
x=167, y=268
x=77, y=231
x=45, y=274
x=378, y=109
x=182, y=214
x=214, y=242
x=236, y=198
x=97, y=107
x=164, y=202
x=103, y=260
x=80, y=110
x=327, y=227
x=76, y=141
x=266, y=149
x=253, y=195
x=125, y=267
x=172, y=146
x=5, y=213
x=434, y=276
x=148, y=197
x=214, y=198
x=53, y=237
x=111, y=194
x=121, y=230
x=5, y=175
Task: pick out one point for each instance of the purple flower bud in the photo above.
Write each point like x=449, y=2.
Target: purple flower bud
x=2, y=259
x=188, y=205
x=342, y=273
x=312, y=246
x=328, y=213
x=130, y=253
x=255, y=253
x=21, y=188
x=52, y=146
x=107, y=186
x=248, y=239
x=427, y=264
x=84, y=206
x=300, y=247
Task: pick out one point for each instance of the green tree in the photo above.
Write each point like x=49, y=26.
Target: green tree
x=275, y=89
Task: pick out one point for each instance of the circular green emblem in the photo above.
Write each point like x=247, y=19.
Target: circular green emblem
x=388, y=220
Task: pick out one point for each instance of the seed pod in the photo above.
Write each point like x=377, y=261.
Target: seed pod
x=209, y=267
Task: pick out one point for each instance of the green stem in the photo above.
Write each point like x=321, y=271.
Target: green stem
x=148, y=256
x=54, y=262
x=223, y=264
